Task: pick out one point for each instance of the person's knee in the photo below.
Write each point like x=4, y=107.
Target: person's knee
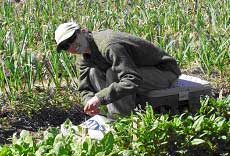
x=93, y=72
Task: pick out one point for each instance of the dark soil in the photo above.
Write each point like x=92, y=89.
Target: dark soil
x=39, y=120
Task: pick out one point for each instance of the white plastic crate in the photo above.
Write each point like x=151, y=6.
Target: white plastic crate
x=183, y=86
x=186, y=91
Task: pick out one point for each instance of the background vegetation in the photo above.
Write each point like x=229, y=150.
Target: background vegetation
x=195, y=32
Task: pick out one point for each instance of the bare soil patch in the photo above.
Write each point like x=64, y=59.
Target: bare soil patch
x=39, y=120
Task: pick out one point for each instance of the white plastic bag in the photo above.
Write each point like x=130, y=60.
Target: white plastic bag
x=97, y=126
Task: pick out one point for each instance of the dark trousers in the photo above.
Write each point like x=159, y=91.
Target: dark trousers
x=153, y=79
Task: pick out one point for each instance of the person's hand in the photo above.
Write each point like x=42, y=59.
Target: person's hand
x=92, y=106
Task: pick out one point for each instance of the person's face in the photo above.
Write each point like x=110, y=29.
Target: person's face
x=80, y=45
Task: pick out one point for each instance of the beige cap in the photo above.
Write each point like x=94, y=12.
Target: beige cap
x=65, y=31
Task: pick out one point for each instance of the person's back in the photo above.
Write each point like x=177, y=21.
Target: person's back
x=142, y=52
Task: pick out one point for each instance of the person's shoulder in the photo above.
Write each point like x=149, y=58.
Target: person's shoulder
x=102, y=31
x=103, y=38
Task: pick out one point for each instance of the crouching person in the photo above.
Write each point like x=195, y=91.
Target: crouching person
x=115, y=67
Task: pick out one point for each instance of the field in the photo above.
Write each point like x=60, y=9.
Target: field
x=38, y=87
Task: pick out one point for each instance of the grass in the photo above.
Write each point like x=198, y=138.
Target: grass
x=194, y=32
x=190, y=31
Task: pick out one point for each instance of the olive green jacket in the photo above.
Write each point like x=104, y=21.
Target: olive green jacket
x=123, y=53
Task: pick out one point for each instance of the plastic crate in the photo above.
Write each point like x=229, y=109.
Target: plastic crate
x=184, y=94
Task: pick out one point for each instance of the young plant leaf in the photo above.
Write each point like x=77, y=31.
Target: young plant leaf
x=197, y=141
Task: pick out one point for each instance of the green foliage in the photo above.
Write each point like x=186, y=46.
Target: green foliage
x=160, y=135
x=140, y=134
x=220, y=107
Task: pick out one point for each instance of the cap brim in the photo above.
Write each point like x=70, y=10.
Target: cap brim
x=65, y=36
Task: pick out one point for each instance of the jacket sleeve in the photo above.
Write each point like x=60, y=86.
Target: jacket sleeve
x=126, y=70
x=85, y=88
